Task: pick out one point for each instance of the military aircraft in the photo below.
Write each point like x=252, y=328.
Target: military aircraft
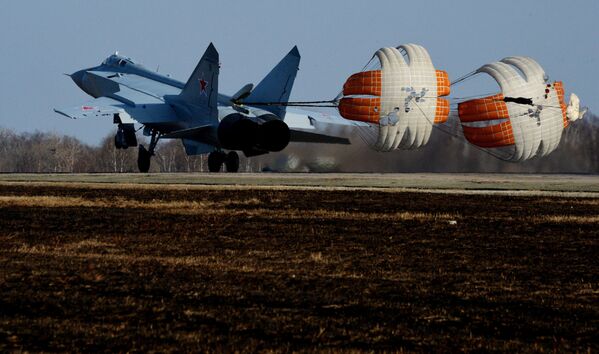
x=195, y=112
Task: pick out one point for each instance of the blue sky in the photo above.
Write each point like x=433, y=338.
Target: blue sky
x=40, y=40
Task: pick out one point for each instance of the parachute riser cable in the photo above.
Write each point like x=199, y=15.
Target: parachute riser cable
x=328, y=104
x=462, y=78
x=517, y=100
x=340, y=94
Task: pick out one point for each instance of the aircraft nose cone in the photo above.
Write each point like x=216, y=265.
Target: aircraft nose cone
x=77, y=77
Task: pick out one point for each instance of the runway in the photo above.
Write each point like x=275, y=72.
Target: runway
x=503, y=184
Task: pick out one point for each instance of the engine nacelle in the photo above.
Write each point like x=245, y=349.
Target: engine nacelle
x=264, y=133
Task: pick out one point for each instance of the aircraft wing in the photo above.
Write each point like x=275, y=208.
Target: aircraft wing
x=102, y=107
x=130, y=105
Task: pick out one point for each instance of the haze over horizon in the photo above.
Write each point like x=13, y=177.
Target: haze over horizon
x=41, y=40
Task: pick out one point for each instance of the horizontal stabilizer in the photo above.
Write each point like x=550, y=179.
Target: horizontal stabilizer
x=300, y=136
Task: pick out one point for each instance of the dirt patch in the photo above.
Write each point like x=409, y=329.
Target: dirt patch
x=126, y=268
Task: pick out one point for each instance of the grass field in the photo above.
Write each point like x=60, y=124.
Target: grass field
x=137, y=267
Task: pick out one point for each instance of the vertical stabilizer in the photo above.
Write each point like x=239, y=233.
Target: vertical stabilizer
x=277, y=85
x=201, y=90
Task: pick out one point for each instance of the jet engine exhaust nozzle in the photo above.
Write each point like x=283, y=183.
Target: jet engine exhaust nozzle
x=239, y=132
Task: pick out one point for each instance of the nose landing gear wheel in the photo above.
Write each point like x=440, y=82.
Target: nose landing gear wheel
x=232, y=162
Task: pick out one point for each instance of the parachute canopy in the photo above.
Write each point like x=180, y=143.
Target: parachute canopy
x=400, y=100
x=526, y=119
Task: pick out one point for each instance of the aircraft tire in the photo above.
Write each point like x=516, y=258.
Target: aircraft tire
x=232, y=162
x=215, y=161
x=143, y=159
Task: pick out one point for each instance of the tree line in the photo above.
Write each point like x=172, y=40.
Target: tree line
x=42, y=152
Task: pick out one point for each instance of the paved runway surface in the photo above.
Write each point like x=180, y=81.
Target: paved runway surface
x=511, y=184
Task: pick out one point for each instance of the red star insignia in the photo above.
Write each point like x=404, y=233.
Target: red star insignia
x=203, y=84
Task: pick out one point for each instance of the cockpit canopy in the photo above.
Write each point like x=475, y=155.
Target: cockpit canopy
x=117, y=60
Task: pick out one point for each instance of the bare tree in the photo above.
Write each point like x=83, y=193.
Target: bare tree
x=48, y=152
x=111, y=159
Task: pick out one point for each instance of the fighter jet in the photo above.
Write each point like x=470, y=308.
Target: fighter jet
x=206, y=121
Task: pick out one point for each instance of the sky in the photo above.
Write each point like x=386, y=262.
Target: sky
x=41, y=40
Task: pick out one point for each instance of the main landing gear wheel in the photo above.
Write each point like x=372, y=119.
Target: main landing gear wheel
x=143, y=159
x=232, y=162
x=215, y=161
x=144, y=156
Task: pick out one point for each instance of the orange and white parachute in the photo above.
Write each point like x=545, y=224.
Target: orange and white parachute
x=526, y=119
x=400, y=101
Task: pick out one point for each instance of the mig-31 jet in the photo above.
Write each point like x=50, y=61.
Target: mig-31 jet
x=206, y=121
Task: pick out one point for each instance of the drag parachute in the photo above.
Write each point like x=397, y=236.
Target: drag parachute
x=399, y=101
x=526, y=119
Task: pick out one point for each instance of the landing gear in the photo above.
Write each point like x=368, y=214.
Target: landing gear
x=217, y=158
x=232, y=162
x=215, y=161
x=144, y=156
x=125, y=136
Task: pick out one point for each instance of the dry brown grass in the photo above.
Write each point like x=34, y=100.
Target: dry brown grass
x=129, y=269
x=225, y=206
x=569, y=219
x=211, y=208
x=100, y=255
x=118, y=202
